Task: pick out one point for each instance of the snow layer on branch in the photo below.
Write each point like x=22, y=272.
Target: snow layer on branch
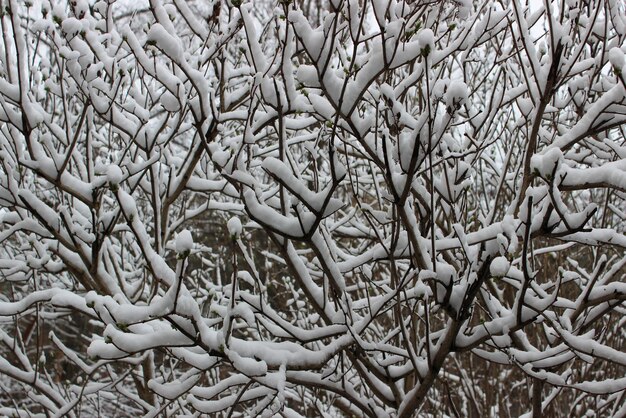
x=288, y=225
x=175, y=388
x=315, y=201
x=166, y=42
x=617, y=59
x=546, y=164
x=313, y=40
x=246, y=365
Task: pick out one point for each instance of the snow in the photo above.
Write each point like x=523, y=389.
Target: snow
x=170, y=102
x=246, y=365
x=617, y=58
x=166, y=42
x=426, y=41
x=114, y=174
x=221, y=157
x=307, y=75
x=173, y=389
x=499, y=266
x=234, y=227
x=456, y=95
x=313, y=40
x=546, y=164
x=525, y=106
x=71, y=26
x=465, y=8
x=378, y=157
x=184, y=242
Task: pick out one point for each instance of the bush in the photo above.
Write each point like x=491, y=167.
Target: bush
x=295, y=208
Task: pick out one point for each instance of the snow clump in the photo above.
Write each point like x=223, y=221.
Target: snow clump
x=456, y=95
x=617, y=59
x=426, y=41
x=184, y=242
x=114, y=174
x=544, y=165
x=499, y=267
x=234, y=227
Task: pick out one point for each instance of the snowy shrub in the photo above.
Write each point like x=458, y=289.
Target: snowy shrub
x=312, y=208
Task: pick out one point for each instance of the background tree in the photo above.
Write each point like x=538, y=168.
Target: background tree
x=359, y=209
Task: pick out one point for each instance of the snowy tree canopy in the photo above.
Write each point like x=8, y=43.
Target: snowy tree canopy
x=312, y=208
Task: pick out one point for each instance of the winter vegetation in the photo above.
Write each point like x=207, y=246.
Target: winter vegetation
x=307, y=208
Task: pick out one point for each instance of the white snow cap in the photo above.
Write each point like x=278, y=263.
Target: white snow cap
x=499, y=267
x=114, y=174
x=545, y=164
x=184, y=241
x=616, y=56
x=234, y=227
x=426, y=38
x=456, y=95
